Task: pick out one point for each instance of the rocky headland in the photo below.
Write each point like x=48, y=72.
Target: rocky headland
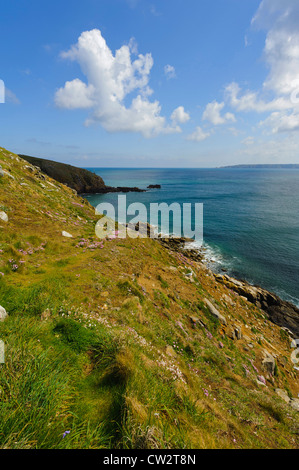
x=80, y=180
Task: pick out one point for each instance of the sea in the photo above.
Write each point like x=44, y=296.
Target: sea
x=250, y=217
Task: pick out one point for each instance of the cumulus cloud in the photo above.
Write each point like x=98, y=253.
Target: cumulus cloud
x=111, y=78
x=198, y=135
x=282, y=122
x=280, y=19
x=179, y=115
x=75, y=95
x=169, y=71
x=250, y=100
x=212, y=114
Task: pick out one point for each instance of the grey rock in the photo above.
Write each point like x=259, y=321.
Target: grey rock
x=283, y=395
x=3, y=216
x=238, y=332
x=66, y=234
x=279, y=311
x=6, y=173
x=213, y=310
x=268, y=363
x=294, y=402
x=3, y=314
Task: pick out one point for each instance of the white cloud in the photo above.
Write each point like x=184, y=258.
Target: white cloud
x=212, y=114
x=234, y=131
x=250, y=101
x=110, y=79
x=280, y=18
x=248, y=141
x=10, y=97
x=281, y=149
x=169, y=71
x=75, y=95
x=282, y=122
x=179, y=115
x=198, y=135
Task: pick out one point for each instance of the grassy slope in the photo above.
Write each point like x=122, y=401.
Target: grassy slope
x=115, y=359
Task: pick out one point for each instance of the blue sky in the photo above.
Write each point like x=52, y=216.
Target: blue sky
x=141, y=83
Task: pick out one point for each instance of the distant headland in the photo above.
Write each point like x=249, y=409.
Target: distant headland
x=264, y=165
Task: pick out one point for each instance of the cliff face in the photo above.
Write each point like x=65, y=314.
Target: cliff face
x=124, y=342
x=83, y=181
x=279, y=311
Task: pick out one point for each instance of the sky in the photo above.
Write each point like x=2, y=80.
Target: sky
x=151, y=83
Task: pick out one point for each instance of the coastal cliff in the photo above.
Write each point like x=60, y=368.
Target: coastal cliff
x=128, y=343
x=81, y=180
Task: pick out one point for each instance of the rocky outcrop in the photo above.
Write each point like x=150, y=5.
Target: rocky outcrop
x=120, y=189
x=278, y=311
x=178, y=244
x=81, y=180
x=154, y=186
x=293, y=402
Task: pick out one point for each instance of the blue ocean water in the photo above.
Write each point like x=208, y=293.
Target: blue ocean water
x=251, y=217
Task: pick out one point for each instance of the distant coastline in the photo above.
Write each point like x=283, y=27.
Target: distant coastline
x=276, y=165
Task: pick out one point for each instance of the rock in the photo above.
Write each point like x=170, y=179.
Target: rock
x=66, y=234
x=238, y=332
x=234, y=332
x=29, y=168
x=79, y=179
x=294, y=402
x=6, y=173
x=196, y=322
x=213, y=310
x=231, y=333
x=268, y=363
x=261, y=380
x=289, y=332
x=280, y=312
x=3, y=314
x=1, y=172
x=3, y=216
x=190, y=274
x=228, y=300
x=154, y=186
x=283, y=395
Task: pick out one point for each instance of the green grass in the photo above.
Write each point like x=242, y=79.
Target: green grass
x=117, y=361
